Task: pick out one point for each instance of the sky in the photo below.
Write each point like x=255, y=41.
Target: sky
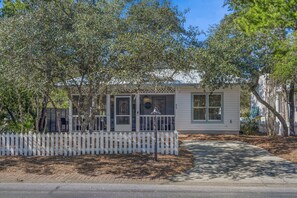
x=202, y=13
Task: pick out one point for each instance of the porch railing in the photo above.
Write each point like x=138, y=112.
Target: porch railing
x=164, y=122
x=100, y=123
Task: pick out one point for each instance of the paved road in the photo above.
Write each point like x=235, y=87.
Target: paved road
x=236, y=162
x=145, y=191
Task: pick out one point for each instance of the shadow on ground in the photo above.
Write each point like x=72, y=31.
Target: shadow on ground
x=235, y=161
x=128, y=166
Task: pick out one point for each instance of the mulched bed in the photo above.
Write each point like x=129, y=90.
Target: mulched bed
x=132, y=166
x=285, y=147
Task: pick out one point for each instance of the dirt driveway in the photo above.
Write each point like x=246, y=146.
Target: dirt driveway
x=235, y=161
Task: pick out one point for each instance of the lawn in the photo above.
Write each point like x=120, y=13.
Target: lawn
x=284, y=147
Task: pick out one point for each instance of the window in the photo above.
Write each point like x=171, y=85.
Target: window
x=207, y=107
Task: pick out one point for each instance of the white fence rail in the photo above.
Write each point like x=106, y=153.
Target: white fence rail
x=164, y=122
x=77, y=143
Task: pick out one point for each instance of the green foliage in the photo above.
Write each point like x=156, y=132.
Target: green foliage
x=269, y=16
x=249, y=126
x=264, y=15
x=12, y=7
x=230, y=57
x=84, y=46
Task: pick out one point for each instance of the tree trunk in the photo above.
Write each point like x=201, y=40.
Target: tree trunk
x=41, y=121
x=270, y=117
x=291, y=108
x=270, y=108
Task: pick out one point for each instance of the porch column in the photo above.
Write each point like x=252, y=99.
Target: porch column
x=108, y=112
x=137, y=112
x=70, y=117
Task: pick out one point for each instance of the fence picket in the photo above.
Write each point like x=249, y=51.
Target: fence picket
x=83, y=143
x=129, y=143
x=125, y=143
x=65, y=144
x=166, y=143
x=56, y=144
x=110, y=143
x=134, y=143
x=120, y=143
x=93, y=143
x=101, y=143
x=16, y=152
x=115, y=147
x=34, y=144
x=97, y=143
x=162, y=142
x=12, y=144
x=43, y=145
x=38, y=140
x=74, y=150
x=148, y=150
x=139, y=142
x=78, y=143
x=52, y=147
x=2, y=144
x=26, y=144
x=106, y=143
x=143, y=142
x=87, y=142
x=176, y=143
x=171, y=142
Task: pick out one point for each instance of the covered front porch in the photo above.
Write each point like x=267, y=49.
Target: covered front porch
x=130, y=112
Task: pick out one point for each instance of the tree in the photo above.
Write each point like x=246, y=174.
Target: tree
x=269, y=16
x=231, y=57
x=83, y=46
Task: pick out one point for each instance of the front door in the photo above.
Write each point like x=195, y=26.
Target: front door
x=123, y=109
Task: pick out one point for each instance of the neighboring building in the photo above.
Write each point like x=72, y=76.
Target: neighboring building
x=183, y=104
x=274, y=97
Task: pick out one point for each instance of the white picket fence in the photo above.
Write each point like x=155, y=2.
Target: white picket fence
x=77, y=143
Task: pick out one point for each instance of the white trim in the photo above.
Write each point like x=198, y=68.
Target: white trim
x=70, y=117
x=122, y=127
x=108, y=112
x=137, y=112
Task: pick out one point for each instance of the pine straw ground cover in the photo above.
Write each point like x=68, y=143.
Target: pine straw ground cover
x=130, y=166
x=284, y=147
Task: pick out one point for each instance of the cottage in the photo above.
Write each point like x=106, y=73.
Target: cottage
x=183, y=104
